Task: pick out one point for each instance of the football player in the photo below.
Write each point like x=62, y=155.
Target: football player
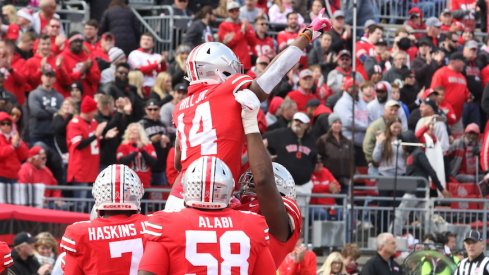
x=6, y=259
x=112, y=243
x=207, y=237
x=271, y=194
x=208, y=120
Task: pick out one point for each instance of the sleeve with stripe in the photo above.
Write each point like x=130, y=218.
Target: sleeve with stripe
x=153, y=228
x=6, y=256
x=238, y=82
x=294, y=213
x=69, y=240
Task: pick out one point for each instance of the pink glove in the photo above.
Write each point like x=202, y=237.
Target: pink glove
x=319, y=25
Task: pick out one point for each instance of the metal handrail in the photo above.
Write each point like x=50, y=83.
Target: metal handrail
x=146, y=25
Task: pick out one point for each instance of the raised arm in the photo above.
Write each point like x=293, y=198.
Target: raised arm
x=271, y=204
x=283, y=62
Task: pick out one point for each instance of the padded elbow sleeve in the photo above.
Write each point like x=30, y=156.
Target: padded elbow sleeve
x=279, y=68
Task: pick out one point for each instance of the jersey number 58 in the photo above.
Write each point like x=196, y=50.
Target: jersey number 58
x=223, y=245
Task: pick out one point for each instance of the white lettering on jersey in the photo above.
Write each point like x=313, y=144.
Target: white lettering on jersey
x=111, y=232
x=217, y=222
x=189, y=101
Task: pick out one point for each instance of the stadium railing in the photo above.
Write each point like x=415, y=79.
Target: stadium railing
x=370, y=216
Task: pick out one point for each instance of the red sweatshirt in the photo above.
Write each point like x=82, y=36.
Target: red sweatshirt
x=10, y=157
x=70, y=72
x=28, y=173
x=15, y=82
x=32, y=68
x=240, y=42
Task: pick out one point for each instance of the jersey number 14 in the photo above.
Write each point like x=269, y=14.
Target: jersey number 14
x=201, y=132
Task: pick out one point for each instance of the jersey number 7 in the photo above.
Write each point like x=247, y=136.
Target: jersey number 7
x=134, y=246
x=201, y=132
x=195, y=237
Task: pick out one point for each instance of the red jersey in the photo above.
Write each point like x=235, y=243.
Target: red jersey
x=364, y=49
x=191, y=241
x=321, y=181
x=280, y=249
x=138, y=164
x=285, y=37
x=265, y=46
x=6, y=258
x=209, y=123
x=84, y=163
x=455, y=84
x=171, y=172
x=111, y=245
x=301, y=98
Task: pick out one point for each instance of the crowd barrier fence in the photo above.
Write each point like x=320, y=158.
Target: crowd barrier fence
x=370, y=216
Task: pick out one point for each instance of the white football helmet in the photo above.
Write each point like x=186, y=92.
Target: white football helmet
x=117, y=187
x=208, y=184
x=283, y=179
x=212, y=60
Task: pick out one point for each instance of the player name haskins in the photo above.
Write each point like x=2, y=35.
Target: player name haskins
x=216, y=222
x=111, y=232
x=189, y=101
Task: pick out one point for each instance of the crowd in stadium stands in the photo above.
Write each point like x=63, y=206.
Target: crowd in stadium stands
x=74, y=103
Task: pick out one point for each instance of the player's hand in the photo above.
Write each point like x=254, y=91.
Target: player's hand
x=445, y=193
x=319, y=25
x=250, y=105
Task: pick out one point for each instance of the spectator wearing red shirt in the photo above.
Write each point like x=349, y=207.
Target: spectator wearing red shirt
x=285, y=37
x=13, y=151
x=445, y=108
x=137, y=152
x=77, y=65
x=448, y=24
x=263, y=44
x=301, y=261
x=415, y=21
x=42, y=57
x=456, y=93
x=90, y=32
x=304, y=93
x=83, y=135
x=323, y=183
x=237, y=34
x=13, y=69
x=47, y=11
x=34, y=170
x=57, y=39
x=365, y=48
